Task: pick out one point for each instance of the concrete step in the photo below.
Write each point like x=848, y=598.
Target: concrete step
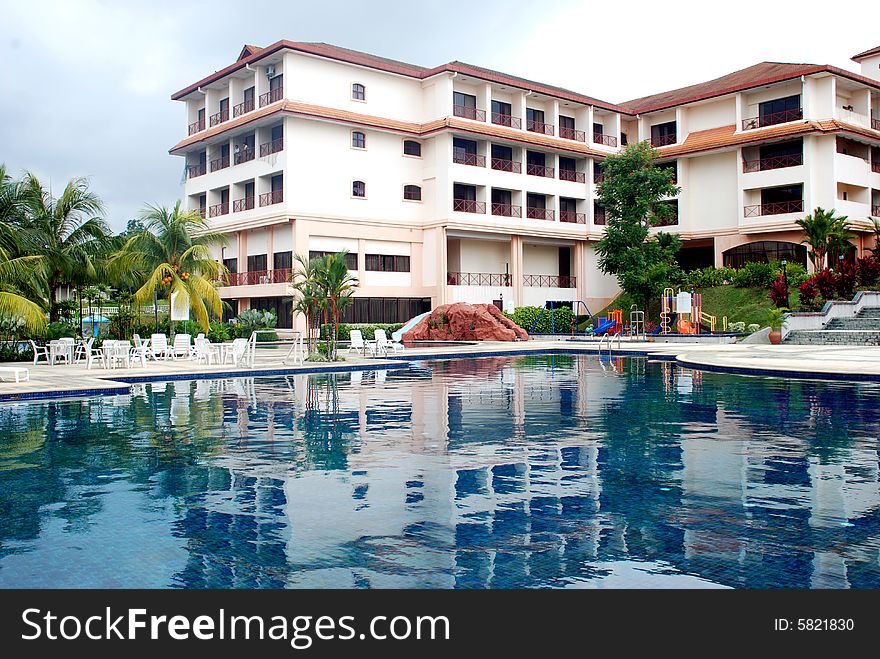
x=869, y=337
x=857, y=323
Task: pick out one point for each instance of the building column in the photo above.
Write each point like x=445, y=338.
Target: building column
x=442, y=268
x=579, y=268
x=516, y=269
x=242, y=251
x=362, y=260
x=270, y=251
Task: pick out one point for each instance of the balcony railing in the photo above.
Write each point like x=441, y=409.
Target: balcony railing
x=549, y=281
x=464, y=158
x=269, y=198
x=506, y=120
x=196, y=126
x=772, y=119
x=220, y=163
x=243, y=155
x=875, y=123
x=196, y=170
x=602, y=138
x=220, y=117
x=572, y=218
x=572, y=134
x=664, y=140
x=468, y=112
x=875, y=166
x=775, y=208
x=598, y=177
x=468, y=206
x=271, y=147
x=503, y=165
x=540, y=213
x=775, y=162
x=572, y=175
x=244, y=204
x=257, y=277
x=271, y=96
x=506, y=210
x=203, y=212
x=218, y=209
x=875, y=210
x=477, y=279
x=243, y=108
x=539, y=127
x=539, y=170
x=599, y=217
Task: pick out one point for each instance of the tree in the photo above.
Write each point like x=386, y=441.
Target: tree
x=825, y=233
x=338, y=286
x=309, y=301
x=633, y=193
x=172, y=254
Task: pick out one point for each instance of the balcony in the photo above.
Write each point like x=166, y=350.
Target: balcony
x=244, y=155
x=598, y=177
x=243, y=108
x=506, y=120
x=271, y=96
x=599, y=217
x=220, y=163
x=540, y=213
x=218, y=209
x=664, y=140
x=572, y=175
x=506, y=210
x=244, y=204
x=257, y=277
x=196, y=170
x=477, y=279
x=472, y=159
x=539, y=170
x=776, y=162
x=220, y=117
x=271, y=147
x=875, y=123
x=606, y=140
x=196, y=126
x=550, y=281
x=469, y=112
x=875, y=210
x=772, y=119
x=775, y=208
x=270, y=198
x=468, y=206
x=875, y=166
x=503, y=165
x=539, y=127
x=572, y=218
x=572, y=134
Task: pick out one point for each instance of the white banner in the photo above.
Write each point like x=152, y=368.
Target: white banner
x=179, y=306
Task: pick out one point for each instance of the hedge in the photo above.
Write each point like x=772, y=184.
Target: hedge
x=525, y=317
x=366, y=329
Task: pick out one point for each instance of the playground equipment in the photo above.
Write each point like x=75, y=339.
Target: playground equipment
x=636, y=322
x=610, y=324
x=683, y=312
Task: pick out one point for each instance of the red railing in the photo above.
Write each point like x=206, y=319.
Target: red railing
x=243, y=155
x=469, y=112
x=196, y=126
x=243, y=108
x=477, y=279
x=572, y=218
x=549, y=281
x=244, y=204
x=775, y=208
x=875, y=210
x=196, y=170
x=599, y=217
x=468, y=206
x=572, y=175
x=220, y=117
x=776, y=162
x=464, y=158
x=875, y=166
x=271, y=147
x=602, y=138
x=539, y=170
x=539, y=127
x=664, y=140
x=539, y=213
x=772, y=119
x=257, y=277
x=875, y=123
x=503, y=165
x=598, y=177
x=506, y=120
x=269, y=198
x=506, y=210
x=220, y=163
x=218, y=209
x=572, y=134
x=271, y=96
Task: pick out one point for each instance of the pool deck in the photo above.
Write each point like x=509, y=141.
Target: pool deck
x=828, y=362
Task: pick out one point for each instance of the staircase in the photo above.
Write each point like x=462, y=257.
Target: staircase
x=862, y=329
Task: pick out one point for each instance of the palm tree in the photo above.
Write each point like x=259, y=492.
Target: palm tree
x=305, y=283
x=337, y=285
x=824, y=231
x=173, y=254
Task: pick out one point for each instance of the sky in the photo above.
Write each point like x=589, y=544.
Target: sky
x=85, y=85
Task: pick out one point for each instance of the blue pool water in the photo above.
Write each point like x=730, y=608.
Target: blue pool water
x=556, y=471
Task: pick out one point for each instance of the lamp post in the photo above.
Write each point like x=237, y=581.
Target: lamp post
x=785, y=280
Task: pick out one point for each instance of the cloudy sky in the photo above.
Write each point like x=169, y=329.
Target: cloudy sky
x=85, y=85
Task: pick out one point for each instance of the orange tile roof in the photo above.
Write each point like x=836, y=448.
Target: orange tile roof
x=867, y=53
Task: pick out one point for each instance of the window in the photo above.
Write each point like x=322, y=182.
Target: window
x=567, y=164
x=358, y=92
x=663, y=134
x=623, y=139
x=231, y=265
x=779, y=110
x=358, y=189
x=256, y=263
x=598, y=129
x=386, y=263
x=358, y=140
x=351, y=258
x=464, y=100
x=566, y=122
x=412, y=148
x=466, y=192
x=412, y=193
x=534, y=116
x=282, y=260
x=567, y=205
x=536, y=200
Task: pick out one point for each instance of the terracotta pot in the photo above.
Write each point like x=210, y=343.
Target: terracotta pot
x=775, y=337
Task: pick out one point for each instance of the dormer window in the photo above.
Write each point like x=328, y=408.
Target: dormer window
x=358, y=92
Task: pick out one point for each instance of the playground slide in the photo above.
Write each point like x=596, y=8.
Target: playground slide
x=407, y=326
x=605, y=325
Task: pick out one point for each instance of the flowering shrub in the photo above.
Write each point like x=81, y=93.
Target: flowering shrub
x=868, y=271
x=846, y=280
x=809, y=295
x=826, y=282
x=779, y=292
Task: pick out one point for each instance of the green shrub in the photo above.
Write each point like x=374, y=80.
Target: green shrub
x=59, y=330
x=754, y=275
x=706, y=278
x=219, y=332
x=15, y=352
x=525, y=317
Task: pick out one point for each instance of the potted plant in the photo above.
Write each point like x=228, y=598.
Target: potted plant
x=775, y=321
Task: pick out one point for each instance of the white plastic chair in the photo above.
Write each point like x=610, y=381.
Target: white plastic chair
x=383, y=344
x=39, y=351
x=182, y=346
x=94, y=354
x=206, y=351
x=159, y=346
x=358, y=345
x=239, y=351
x=82, y=349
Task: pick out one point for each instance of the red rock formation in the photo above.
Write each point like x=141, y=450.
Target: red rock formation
x=466, y=322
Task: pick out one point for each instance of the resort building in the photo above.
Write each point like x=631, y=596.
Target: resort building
x=459, y=183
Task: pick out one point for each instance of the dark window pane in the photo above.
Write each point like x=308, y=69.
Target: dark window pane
x=412, y=148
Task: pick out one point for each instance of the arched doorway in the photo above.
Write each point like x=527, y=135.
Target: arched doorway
x=765, y=251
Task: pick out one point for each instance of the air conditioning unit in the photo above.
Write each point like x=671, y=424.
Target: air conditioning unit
x=270, y=71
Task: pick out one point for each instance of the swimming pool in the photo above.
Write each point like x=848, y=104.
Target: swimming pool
x=499, y=472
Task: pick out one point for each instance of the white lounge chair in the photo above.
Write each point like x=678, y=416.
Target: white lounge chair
x=182, y=347
x=140, y=351
x=358, y=345
x=21, y=374
x=159, y=346
x=383, y=344
x=40, y=351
